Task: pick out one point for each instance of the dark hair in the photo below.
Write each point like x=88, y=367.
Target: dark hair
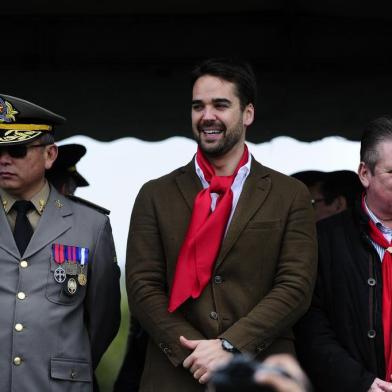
x=375, y=133
x=344, y=183
x=237, y=72
x=47, y=138
x=310, y=177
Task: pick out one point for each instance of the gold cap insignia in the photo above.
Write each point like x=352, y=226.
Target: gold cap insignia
x=7, y=112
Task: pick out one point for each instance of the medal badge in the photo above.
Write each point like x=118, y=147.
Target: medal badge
x=71, y=267
x=59, y=258
x=72, y=262
x=83, y=261
x=72, y=286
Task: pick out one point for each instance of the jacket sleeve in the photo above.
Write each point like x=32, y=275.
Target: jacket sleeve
x=291, y=289
x=103, y=294
x=146, y=278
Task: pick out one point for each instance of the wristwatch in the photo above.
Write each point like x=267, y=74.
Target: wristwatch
x=227, y=346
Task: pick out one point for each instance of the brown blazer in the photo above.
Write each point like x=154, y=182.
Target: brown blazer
x=262, y=281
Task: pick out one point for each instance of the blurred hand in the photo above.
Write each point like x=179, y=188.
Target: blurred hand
x=296, y=382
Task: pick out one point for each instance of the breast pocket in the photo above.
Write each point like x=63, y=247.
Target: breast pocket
x=70, y=375
x=264, y=225
x=65, y=293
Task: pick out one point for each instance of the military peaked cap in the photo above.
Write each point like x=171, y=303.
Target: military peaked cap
x=22, y=121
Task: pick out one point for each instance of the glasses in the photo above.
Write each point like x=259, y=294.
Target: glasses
x=20, y=151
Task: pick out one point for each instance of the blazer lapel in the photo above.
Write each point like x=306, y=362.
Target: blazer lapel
x=7, y=241
x=189, y=183
x=254, y=192
x=52, y=223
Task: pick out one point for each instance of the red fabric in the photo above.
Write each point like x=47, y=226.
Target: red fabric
x=377, y=236
x=205, y=233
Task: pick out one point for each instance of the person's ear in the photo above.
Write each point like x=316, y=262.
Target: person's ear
x=248, y=115
x=340, y=203
x=364, y=174
x=51, y=153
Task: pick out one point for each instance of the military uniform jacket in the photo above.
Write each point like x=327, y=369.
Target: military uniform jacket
x=59, y=339
x=262, y=280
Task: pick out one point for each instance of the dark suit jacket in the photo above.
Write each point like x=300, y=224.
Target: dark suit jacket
x=64, y=337
x=262, y=280
x=340, y=338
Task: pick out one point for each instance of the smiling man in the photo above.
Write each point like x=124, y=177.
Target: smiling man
x=221, y=253
x=59, y=286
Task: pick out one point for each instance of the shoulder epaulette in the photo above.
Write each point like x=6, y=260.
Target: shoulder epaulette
x=88, y=204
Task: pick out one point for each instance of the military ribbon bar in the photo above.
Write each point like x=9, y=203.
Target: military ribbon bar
x=58, y=253
x=70, y=252
x=83, y=256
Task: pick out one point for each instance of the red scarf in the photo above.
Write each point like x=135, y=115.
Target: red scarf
x=205, y=234
x=377, y=236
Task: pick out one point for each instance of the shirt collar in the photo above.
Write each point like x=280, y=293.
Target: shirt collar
x=39, y=200
x=375, y=220
x=243, y=171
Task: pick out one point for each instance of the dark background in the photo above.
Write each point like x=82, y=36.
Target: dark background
x=120, y=68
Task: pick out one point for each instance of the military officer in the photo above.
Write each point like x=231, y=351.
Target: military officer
x=59, y=285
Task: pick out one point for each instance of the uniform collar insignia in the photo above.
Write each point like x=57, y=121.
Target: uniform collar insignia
x=42, y=204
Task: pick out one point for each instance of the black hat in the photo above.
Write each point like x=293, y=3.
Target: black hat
x=65, y=164
x=310, y=177
x=22, y=121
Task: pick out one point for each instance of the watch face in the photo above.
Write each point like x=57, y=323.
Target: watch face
x=227, y=345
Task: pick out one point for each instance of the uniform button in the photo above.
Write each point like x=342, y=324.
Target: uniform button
x=371, y=333
x=24, y=264
x=167, y=351
x=260, y=348
x=214, y=315
x=218, y=279
x=371, y=282
x=161, y=345
x=18, y=327
x=17, y=361
x=73, y=374
x=21, y=295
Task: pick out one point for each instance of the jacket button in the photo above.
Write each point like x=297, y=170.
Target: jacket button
x=17, y=361
x=21, y=295
x=371, y=282
x=73, y=374
x=214, y=315
x=18, y=327
x=218, y=279
x=24, y=264
x=260, y=348
x=371, y=333
x=167, y=351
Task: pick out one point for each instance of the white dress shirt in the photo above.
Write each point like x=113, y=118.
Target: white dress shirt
x=236, y=187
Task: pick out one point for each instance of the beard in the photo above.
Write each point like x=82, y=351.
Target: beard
x=231, y=136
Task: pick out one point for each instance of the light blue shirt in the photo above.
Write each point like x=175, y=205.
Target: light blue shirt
x=386, y=231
